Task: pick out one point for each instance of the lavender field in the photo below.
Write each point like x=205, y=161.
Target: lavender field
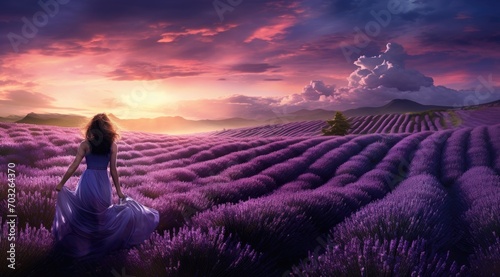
x=387, y=123
x=403, y=201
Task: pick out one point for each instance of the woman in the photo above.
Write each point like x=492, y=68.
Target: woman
x=86, y=223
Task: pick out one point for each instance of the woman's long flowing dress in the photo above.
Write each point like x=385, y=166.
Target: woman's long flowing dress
x=87, y=224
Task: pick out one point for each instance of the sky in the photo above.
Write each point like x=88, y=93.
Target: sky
x=212, y=59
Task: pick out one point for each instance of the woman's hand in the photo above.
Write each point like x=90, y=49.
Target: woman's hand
x=122, y=198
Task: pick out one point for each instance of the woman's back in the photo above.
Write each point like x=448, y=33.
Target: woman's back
x=97, y=162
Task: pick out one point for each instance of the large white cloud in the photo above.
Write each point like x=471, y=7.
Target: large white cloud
x=388, y=70
x=315, y=91
x=380, y=79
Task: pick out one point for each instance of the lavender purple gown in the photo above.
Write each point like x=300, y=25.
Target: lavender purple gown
x=86, y=223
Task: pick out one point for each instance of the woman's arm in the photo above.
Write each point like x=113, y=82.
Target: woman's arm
x=72, y=168
x=113, y=171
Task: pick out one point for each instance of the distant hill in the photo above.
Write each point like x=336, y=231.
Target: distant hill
x=165, y=124
x=396, y=106
x=490, y=104
x=306, y=115
x=10, y=118
x=54, y=119
x=178, y=125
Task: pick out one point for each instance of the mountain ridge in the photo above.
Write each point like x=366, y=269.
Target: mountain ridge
x=180, y=125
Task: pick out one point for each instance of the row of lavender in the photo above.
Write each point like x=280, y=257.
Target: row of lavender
x=387, y=123
x=257, y=207
x=401, y=123
x=305, y=128
x=422, y=228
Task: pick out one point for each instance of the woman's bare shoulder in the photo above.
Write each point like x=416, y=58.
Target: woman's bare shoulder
x=85, y=145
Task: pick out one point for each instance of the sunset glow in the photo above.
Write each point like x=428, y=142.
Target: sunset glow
x=163, y=58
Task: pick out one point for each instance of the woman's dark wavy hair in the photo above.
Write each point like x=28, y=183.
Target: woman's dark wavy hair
x=101, y=132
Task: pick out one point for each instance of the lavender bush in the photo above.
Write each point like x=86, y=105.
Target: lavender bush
x=369, y=257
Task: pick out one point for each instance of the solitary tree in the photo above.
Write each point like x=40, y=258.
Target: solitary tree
x=338, y=126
